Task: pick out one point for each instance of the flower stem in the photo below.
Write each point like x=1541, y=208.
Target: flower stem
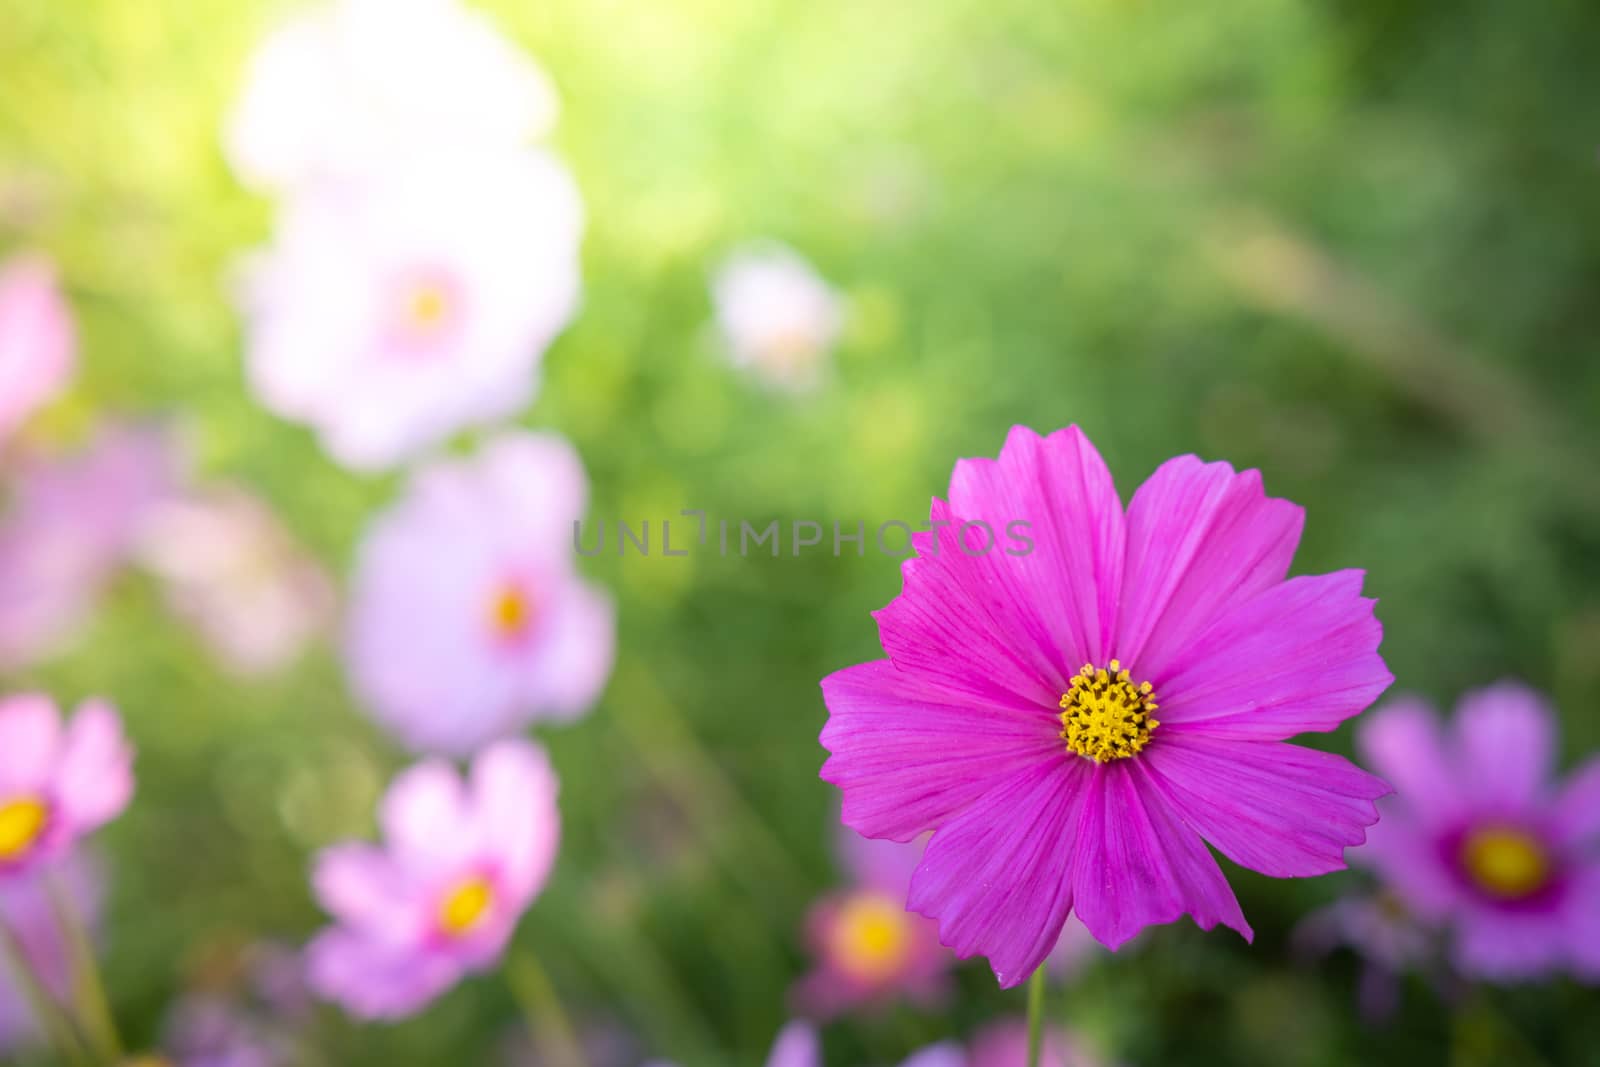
x=52, y=1019
x=88, y=990
x=1036, y=1016
x=547, y=1020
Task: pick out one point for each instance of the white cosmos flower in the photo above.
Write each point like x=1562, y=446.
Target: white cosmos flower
x=375, y=83
x=392, y=311
x=777, y=316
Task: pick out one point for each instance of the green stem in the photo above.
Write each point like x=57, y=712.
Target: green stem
x=52, y=1019
x=88, y=990
x=548, y=1024
x=1036, y=1016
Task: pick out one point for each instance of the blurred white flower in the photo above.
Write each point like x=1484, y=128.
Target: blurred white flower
x=231, y=571
x=369, y=84
x=778, y=317
x=391, y=312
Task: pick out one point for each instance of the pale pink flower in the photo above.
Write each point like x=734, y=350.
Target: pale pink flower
x=57, y=784
x=394, y=310
x=25, y=907
x=37, y=341
x=368, y=85
x=231, y=570
x=468, y=619
x=460, y=863
x=778, y=317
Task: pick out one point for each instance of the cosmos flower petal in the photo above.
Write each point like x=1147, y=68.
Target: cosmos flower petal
x=1505, y=740
x=1136, y=864
x=1578, y=814
x=374, y=980
x=362, y=887
x=1300, y=656
x=908, y=755
x=1276, y=808
x=423, y=814
x=947, y=1054
x=513, y=792
x=797, y=1045
x=95, y=777
x=37, y=340
x=1403, y=742
x=1585, y=923
x=995, y=876
x=1201, y=538
x=1507, y=946
x=30, y=738
x=579, y=650
x=1059, y=600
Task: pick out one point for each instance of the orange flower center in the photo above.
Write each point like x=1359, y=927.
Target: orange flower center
x=511, y=612
x=466, y=906
x=871, y=937
x=1105, y=716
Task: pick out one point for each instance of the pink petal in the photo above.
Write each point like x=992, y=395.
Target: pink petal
x=95, y=779
x=797, y=1046
x=1406, y=856
x=37, y=340
x=1057, y=602
x=514, y=804
x=426, y=820
x=1403, y=742
x=1505, y=737
x=1276, y=808
x=997, y=876
x=947, y=1054
x=1201, y=539
x=374, y=980
x=30, y=740
x=1301, y=656
x=1578, y=811
x=575, y=656
x=1502, y=945
x=908, y=755
x=362, y=887
x=1138, y=865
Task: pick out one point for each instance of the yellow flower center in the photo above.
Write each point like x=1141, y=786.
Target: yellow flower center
x=1505, y=863
x=1104, y=715
x=21, y=823
x=465, y=906
x=511, y=612
x=870, y=937
x=427, y=307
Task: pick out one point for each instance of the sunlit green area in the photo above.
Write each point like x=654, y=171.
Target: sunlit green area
x=1353, y=243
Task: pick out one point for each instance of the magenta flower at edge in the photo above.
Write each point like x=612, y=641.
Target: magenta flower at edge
x=1479, y=839
x=460, y=864
x=1017, y=714
x=57, y=784
x=468, y=618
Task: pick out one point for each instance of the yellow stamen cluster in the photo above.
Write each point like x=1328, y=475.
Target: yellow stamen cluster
x=1104, y=715
x=1505, y=863
x=21, y=822
x=511, y=613
x=466, y=906
x=426, y=308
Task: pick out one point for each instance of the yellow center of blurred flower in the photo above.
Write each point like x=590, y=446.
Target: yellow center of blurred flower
x=1105, y=716
x=1505, y=863
x=21, y=822
x=870, y=937
x=465, y=906
x=427, y=307
x=511, y=612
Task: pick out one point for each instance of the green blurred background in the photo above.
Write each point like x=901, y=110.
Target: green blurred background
x=1354, y=243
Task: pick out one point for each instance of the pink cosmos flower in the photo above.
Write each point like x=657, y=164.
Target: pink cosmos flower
x=71, y=524
x=461, y=863
x=868, y=948
x=57, y=785
x=231, y=570
x=1016, y=715
x=361, y=86
x=394, y=310
x=1480, y=840
x=37, y=341
x=25, y=907
x=468, y=619
x=778, y=317
x=1380, y=929
x=1005, y=1044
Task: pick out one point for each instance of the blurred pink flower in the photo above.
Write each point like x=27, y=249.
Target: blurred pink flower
x=366, y=85
x=71, y=523
x=57, y=785
x=394, y=310
x=1005, y=1044
x=1075, y=948
x=798, y=1045
x=25, y=907
x=778, y=317
x=467, y=618
x=460, y=864
x=1380, y=929
x=237, y=577
x=1479, y=839
x=868, y=948
x=37, y=341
